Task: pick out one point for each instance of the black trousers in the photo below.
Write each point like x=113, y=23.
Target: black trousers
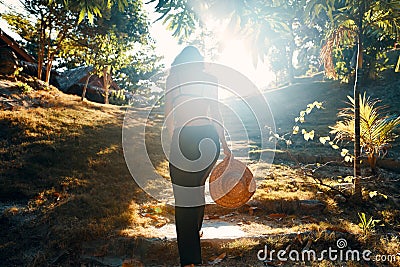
x=190, y=177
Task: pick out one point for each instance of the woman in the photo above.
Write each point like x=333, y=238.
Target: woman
x=193, y=121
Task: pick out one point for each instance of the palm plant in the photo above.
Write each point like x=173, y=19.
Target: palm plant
x=376, y=129
x=353, y=20
x=380, y=24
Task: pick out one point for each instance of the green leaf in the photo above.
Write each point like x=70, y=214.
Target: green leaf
x=348, y=179
x=373, y=194
x=308, y=135
x=312, y=134
x=324, y=139
x=90, y=17
x=295, y=129
x=81, y=15
x=318, y=104
x=157, y=210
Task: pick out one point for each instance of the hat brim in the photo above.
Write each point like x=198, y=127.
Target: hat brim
x=231, y=183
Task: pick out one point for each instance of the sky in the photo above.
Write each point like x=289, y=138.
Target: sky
x=3, y=24
x=167, y=45
x=234, y=54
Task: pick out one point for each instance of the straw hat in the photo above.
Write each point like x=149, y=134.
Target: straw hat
x=231, y=183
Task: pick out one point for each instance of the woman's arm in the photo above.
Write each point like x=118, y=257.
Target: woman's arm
x=168, y=106
x=221, y=132
x=217, y=121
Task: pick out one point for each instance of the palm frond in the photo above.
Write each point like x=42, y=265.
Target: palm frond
x=376, y=128
x=345, y=34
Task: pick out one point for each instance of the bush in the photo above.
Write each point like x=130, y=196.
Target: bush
x=376, y=129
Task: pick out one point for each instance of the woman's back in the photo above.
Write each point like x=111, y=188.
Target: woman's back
x=192, y=95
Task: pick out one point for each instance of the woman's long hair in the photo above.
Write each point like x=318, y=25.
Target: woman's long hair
x=187, y=55
x=188, y=60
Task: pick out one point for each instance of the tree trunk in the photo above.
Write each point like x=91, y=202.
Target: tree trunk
x=357, y=147
x=290, y=60
x=50, y=57
x=106, y=83
x=41, y=50
x=85, y=87
x=48, y=68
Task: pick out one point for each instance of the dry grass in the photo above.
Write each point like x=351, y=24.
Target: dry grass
x=66, y=164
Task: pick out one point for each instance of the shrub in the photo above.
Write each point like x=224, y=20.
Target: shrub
x=376, y=129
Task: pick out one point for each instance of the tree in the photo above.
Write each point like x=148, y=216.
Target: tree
x=143, y=65
x=108, y=42
x=45, y=33
x=263, y=25
x=351, y=21
x=379, y=19
x=257, y=21
x=91, y=8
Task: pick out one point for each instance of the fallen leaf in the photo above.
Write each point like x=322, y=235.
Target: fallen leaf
x=160, y=224
x=277, y=215
x=218, y=259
